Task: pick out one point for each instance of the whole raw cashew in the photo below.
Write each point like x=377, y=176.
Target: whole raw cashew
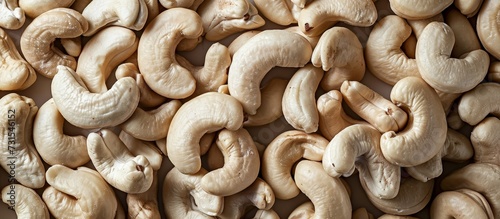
x=38, y=37
x=466, y=39
x=269, y=111
x=319, y=15
x=66, y=198
x=222, y=18
x=247, y=70
x=33, y=8
x=449, y=75
x=477, y=103
x=117, y=165
x=147, y=149
x=485, y=137
x=414, y=9
x=299, y=100
x=93, y=110
x=145, y=205
x=184, y=198
x=12, y=16
x=203, y=114
x=18, y=154
x=282, y=153
x=487, y=27
x=131, y=14
x=52, y=144
x=425, y=132
x=277, y=11
x=24, y=201
x=467, y=7
x=328, y=195
x=463, y=203
x=158, y=64
x=373, y=107
x=340, y=54
x=15, y=72
x=358, y=146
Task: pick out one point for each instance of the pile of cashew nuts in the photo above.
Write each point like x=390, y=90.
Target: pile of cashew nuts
x=104, y=112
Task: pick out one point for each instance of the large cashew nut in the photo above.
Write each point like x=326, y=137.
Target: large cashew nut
x=24, y=201
x=463, y=203
x=269, y=111
x=415, y=9
x=488, y=29
x=485, y=137
x=477, y=103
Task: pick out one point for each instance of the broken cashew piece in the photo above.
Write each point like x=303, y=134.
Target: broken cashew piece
x=462, y=203
x=487, y=27
x=477, y=103
x=15, y=72
x=485, y=137
x=269, y=111
x=12, y=16
x=415, y=9
x=24, y=201
x=145, y=205
x=34, y=8
x=139, y=147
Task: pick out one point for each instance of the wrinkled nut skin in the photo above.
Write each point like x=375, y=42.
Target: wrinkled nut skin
x=11, y=15
x=462, y=203
x=415, y=9
x=66, y=198
x=203, y=114
x=17, y=153
x=487, y=27
x=425, y=132
x=485, y=137
x=25, y=202
x=247, y=70
x=38, y=37
x=144, y=205
x=477, y=103
x=269, y=111
x=34, y=8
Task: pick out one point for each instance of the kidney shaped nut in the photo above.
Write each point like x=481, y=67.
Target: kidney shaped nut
x=12, y=16
x=67, y=198
x=485, y=137
x=183, y=196
x=18, y=154
x=89, y=110
x=203, y=114
x=24, y=201
x=425, y=132
x=462, y=203
x=282, y=153
x=145, y=148
x=144, y=205
x=269, y=111
x=487, y=27
x=358, y=146
x=248, y=69
x=414, y=9
x=157, y=63
x=449, y=75
x=477, y=103
x=34, y=8
x=38, y=38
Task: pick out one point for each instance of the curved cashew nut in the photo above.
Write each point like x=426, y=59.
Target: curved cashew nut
x=52, y=144
x=358, y=146
x=467, y=7
x=477, y=103
x=269, y=111
x=36, y=40
x=147, y=149
x=383, y=54
x=247, y=70
x=117, y=165
x=466, y=39
x=425, y=132
x=18, y=154
x=131, y=14
x=15, y=73
x=266, y=214
x=305, y=210
x=93, y=110
x=415, y=9
x=277, y=11
x=65, y=197
x=34, y=8
x=299, y=100
x=281, y=154
x=206, y=113
x=24, y=201
x=190, y=4
x=485, y=137
x=158, y=64
x=145, y=205
x=184, y=198
x=373, y=107
x=12, y=16
x=463, y=203
x=313, y=181
x=340, y=54
x=443, y=73
x=487, y=27
x=73, y=46
x=313, y=40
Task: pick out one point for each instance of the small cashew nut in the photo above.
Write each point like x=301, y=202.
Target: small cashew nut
x=305, y=210
x=463, y=203
x=269, y=111
x=147, y=149
x=487, y=27
x=24, y=201
x=117, y=165
x=485, y=137
x=190, y=4
x=145, y=205
x=415, y=9
x=468, y=8
x=11, y=15
x=277, y=11
x=477, y=103
x=34, y=8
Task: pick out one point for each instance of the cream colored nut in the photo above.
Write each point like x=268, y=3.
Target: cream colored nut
x=66, y=197
x=269, y=111
x=299, y=100
x=203, y=114
x=11, y=15
x=425, y=132
x=414, y=9
x=248, y=69
x=18, y=154
x=480, y=177
x=314, y=182
x=266, y=214
x=103, y=53
x=144, y=205
x=282, y=153
x=313, y=40
x=419, y=25
x=487, y=27
x=190, y=4
x=485, y=137
x=38, y=37
x=153, y=9
x=443, y=73
x=15, y=72
x=117, y=165
x=277, y=11
x=466, y=39
x=305, y=210
x=383, y=54
x=205, y=144
x=373, y=107
x=147, y=149
x=240, y=40
x=222, y=18
x=477, y=103
x=158, y=64
x=34, y=8
x=24, y=201
x=319, y=15
x=131, y=14
x=79, y=5
x=390, y=216
x=332, y=117
x=72, y=46
x=361, y=213
x=467, y=7
x=494, y=72
x=358, y=146
x=184, y=198
x=340, y=54
x=93, y=110
x=52, y=144
x=258, y=194
x=462, y=203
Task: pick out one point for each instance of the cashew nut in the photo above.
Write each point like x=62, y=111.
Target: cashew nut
x=33, y=8
x=277, y=11
x=11, y=15
x=494, y=72
x=468, y=8
x=269, y=111
x=415, y=9
x=485, y=137
x=147, y=149
x=466, y=39
x=191, y=4
x=477, y=103
x=419, y=25
x=390, y=216
x=487, y=27
x=305, y=210
x=240, y=40
x=463, y=203
x=24, y=201
x=266, y=214
x=144, y=205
